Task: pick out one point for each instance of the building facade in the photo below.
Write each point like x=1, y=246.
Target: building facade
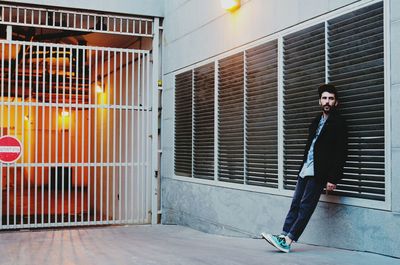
x=239, y=92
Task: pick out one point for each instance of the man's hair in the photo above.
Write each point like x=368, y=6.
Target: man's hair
x=327, y=88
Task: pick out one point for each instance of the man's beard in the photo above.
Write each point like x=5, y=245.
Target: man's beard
x=327, y=108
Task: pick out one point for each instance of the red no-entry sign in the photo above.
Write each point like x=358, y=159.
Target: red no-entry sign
x=10, y=149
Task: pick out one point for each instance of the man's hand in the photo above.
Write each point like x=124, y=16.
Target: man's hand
x=330, y=186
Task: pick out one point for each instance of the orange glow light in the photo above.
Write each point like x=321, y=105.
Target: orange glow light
x=230, y=5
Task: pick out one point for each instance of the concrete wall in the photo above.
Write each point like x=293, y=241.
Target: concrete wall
x=192, y=37
x=136, y=7
x=394, y=105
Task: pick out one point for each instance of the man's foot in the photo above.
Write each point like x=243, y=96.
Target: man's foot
x=277, y=241
x=267, y=238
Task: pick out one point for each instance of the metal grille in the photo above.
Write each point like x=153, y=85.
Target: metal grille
x=262, y=115
x=203, y=122
x=356, y=66
x=183, y=124
x=231, y=119
x=83, y=117
x=75, y=20
x=304, y=71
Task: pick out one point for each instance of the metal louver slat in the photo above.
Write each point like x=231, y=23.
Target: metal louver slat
x=230, y=119
x=203, y=127
x=261, y=115
x=183, y=124
x=302, y=75
x=356, y=68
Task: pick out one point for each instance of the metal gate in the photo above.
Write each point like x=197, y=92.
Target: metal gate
x=83, y=116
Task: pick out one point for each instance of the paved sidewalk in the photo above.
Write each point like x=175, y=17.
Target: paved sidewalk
x=164, y=245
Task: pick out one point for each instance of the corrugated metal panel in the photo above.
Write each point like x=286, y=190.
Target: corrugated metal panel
x=203, y=134
x=304, y=71
x=261, y=115
x=356, y=67
x=231, y=111
x=183, y=124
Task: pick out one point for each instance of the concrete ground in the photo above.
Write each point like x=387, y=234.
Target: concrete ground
x=149, y=245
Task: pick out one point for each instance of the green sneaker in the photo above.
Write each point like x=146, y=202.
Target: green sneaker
x=277, y=241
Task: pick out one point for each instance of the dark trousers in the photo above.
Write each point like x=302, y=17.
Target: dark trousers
x=305, y=199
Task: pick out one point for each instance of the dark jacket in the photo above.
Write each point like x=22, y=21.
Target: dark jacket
x=330, y=149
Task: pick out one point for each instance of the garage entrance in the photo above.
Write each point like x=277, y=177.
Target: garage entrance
x=83, y=115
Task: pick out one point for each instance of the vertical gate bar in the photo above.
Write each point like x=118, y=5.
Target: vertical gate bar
x=144, y=137
x=83, y=133
x=132, y=167
x=15, y=130
x=36, y=131
x=69, y=133
x=108, y=135
x=150, y=125
x=89, y=129
x=40, y=18
x=113, y=126
x=63, y=133
x=50, y=128
x=56, y=71
x=8, y=126
x=138, y=141
x=120, y=142
x=95, y=138
x=43, y=125
x=30, y=130
x=126, y=132
x=32, y=16
x=76, y=132
x=102, y=125
x=23, y=134
x=1, y=131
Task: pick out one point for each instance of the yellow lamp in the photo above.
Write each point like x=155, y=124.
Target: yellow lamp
x=230, y=5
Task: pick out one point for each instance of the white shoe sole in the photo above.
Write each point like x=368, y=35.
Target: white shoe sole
x=269, y=239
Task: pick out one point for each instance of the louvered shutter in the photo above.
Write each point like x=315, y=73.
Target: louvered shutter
x=183, y=124
x=230, y=119
x=203, y=138
x=356, y=67
x=261, y=115
x=304, y=72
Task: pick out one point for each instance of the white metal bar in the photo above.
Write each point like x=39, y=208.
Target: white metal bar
x=57, y=69
x=83, y=134
x=77, y=76
x=126, y=132
x=120, y=142
x=63, y=137
x=36, y=133
x=69, y=133
x=95, y=154
x=139, y=140
x=114, y=132
x=2, y=119
x=43, y=127
x=23, y=134
x=30, y=129
x=102, y=127
x=108, y=91
x=151, y=192
x=89, y=129
x=134, y=178
x=15, y=131
x=50, y=128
